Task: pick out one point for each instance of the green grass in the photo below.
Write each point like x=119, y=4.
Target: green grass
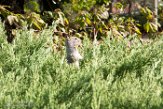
x=112, y=76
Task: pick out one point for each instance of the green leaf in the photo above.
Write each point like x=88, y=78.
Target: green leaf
x=149, y=17
x=35, y=21
x=88, y=21
x=66, y=21
x=146, y=27
x=137, y=30
x=100, y=30
x=148, y=10
x=32, y=6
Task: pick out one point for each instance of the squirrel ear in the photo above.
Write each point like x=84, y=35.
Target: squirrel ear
x=65, y=35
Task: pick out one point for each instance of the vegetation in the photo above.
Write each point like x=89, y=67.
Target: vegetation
x=96, y=17
x=122, y=49
x=112, y=74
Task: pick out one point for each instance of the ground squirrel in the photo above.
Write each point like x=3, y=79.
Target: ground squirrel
x=73, y=55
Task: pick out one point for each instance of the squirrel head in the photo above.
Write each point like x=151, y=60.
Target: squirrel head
x=73, y=42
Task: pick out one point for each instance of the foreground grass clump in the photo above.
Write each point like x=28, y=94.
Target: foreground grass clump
x=111, y=75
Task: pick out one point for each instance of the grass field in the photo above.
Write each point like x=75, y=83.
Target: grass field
x=112, y=75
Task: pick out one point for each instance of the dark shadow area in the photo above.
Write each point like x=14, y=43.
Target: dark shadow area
x=136, y=64
x=70, y=91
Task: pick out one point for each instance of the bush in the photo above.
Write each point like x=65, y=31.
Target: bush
x=112, y=75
